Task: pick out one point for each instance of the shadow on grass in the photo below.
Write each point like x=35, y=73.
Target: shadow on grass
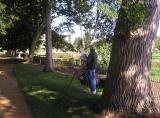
x=48, y=104
x=49, y=96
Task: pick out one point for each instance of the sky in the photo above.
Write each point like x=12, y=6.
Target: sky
x=78, y=32
x=77, y=28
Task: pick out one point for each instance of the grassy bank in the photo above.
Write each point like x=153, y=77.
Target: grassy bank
x=49, y=96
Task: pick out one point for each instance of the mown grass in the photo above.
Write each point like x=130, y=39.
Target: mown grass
x=49, y=96
x=155, y=69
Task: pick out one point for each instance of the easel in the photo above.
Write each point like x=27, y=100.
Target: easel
x=76, y=75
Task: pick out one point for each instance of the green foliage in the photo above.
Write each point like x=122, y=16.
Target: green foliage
x=2, y=7
x=87, y=40
x=17, y=37
x=119, y=1
x=135, y=13
x=59, y=42
x=28, y=16
x=107, y=10
x=31, y=18
x=77, y=44
x=6, y=18
x=103, y=50
x=2, y=26
x=101, y=19
x=74, y=10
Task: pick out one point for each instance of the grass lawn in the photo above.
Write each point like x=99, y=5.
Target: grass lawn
x=155, y=69
x=49, y=96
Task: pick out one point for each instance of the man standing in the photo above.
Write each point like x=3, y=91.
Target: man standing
x=91, y=69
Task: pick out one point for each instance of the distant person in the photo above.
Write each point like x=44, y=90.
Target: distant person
x=91, y=69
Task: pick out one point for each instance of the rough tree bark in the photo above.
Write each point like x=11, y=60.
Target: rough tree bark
x=128, y=86
x=49, y=60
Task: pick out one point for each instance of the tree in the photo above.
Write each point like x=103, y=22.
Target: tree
x=100, y=22
x=74, y=12
x=58, y=42
x=72, y=8
x=27, y=27
x=2, y=26
x=6, y=18
x=103, y=49
x=16, y=37
x=49, y=63
x=128, y=86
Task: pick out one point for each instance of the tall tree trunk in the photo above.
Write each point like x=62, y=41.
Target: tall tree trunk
x=82, y=39
x=128, y=86
x=49, y=60
x=96, y=22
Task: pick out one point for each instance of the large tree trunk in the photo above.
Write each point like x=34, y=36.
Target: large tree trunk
x=128, y=86
x=49, y=60
x=82, y=38
x=96, y=22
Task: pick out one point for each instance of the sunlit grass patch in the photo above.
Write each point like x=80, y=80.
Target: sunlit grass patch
x=155, y=69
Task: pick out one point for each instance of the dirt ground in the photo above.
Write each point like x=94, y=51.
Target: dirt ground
x=12, y=102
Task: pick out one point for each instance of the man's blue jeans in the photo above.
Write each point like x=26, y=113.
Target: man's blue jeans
x=91, y=76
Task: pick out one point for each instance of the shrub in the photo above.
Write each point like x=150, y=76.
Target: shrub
x=103, y=50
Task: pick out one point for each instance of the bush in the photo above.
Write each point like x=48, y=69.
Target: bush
x=103, y=50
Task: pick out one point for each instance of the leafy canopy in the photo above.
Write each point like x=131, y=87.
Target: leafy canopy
x=6, y=18
x=135, y=13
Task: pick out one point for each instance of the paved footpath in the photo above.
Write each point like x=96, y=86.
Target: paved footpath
x=12, y=102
